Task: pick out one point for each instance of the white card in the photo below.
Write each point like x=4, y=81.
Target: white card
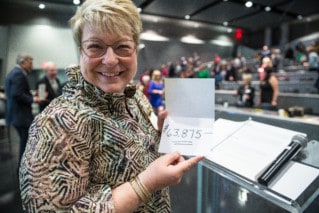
x=189, y=136
x=189, y=127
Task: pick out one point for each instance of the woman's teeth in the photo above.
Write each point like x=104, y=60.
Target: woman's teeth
x=110, y=74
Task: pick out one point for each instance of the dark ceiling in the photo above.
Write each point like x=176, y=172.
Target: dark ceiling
x=234, y=12
x=208, y=13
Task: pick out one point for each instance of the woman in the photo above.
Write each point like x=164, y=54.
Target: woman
x=246, y=92
x=94, y=149
x=156, y=90
x=269, y=90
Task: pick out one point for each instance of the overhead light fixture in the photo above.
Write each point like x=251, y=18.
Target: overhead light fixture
x=141, y=46
x=76, y=2
x=41, y=6
x=151, y=35
x=249, y=4
x=223, y=41
x=190, y=39
x=187, y=17
x=267, y=9
x=225, y=23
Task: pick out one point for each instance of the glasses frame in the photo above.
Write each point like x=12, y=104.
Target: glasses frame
x=106, y=46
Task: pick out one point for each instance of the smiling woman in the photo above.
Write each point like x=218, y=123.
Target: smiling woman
x=94, y=148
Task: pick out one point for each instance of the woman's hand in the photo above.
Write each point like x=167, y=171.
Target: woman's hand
x=167, y=170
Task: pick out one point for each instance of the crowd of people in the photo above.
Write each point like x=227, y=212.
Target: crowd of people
x=266, y=63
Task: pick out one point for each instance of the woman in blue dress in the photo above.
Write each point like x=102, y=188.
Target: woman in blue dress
x=156, y=90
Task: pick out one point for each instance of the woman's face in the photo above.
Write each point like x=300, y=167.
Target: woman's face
x=108, y=72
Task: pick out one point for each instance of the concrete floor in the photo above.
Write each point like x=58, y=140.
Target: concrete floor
x=9, y=189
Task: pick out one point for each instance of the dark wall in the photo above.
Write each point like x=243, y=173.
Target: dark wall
x=301, y=29
x=255, y=40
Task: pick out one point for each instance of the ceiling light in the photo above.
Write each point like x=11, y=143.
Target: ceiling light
x=190, y=39
x=248, y=4
x=141, y=46
x=76, y=2
x=187, y=17
x=150, y=35
x=225, y=23
x=41, y=6
x=224, y=41
x=300, y=17
x=267, y=9
x=221, y=43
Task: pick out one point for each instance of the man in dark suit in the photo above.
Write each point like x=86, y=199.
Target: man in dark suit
x=49, y=87
x=19, y=99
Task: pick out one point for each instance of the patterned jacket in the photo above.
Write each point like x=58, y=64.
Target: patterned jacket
x=85, y=143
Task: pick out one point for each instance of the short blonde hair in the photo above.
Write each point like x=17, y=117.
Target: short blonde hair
x=107, y=16
x=247, y=77
x=156, y=73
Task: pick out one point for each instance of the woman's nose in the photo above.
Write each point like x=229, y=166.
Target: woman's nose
x=110, y=57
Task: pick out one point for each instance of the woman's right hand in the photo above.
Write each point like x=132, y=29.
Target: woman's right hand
x=167, y=170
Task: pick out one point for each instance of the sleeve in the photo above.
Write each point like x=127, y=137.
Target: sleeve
x=20, y=89
x=55, y=169
x=151, y=87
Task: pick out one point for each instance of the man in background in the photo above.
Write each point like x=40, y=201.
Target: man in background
x=19, y=98
x=49, y=87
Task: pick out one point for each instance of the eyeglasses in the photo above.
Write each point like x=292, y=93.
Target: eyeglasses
x=95, y=48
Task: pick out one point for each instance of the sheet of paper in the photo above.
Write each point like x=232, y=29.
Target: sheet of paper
x=191, y=106
x=189, y=136
x=294, y=179
x=190, y=97
x=248, y=147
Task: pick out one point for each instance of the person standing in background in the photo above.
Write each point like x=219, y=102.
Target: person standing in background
x=49, y=86
x=269, y=90
x=203, y=72
x=156, y=91
x=19, y=98
x=246, y=92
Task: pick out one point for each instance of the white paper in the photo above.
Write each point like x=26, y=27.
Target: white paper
x=191, y=107
x=189, y=136
x=248, y=147
x=190, y=97
x=294, y=179
x=41, y=91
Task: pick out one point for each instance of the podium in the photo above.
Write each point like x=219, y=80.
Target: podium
x=210, y=188
x=234, y=193
x=221, y=190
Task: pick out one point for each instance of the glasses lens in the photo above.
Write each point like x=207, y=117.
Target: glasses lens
x=93, y=48
x=96, y=48
x=124, y=48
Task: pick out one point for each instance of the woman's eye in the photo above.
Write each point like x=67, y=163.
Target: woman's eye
x=123, y=46
x=94, y=46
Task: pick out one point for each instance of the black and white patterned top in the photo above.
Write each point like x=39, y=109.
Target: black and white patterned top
x=85, y=143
